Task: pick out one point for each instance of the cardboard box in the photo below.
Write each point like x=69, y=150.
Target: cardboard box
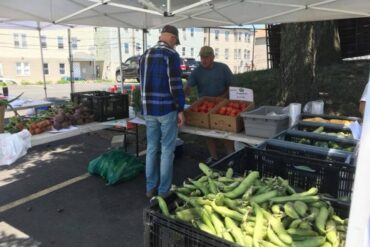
x=228, y=123
x=200, y=119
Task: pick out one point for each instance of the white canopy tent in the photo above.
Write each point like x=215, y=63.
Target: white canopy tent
x=146, y=14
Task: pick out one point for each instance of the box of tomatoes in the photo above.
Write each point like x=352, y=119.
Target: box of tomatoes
x=198, y=113
x=226, y=115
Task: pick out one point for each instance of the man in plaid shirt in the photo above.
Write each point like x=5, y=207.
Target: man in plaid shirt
x=163, y=100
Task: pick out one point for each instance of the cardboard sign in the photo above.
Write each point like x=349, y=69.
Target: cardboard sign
x=241, y=93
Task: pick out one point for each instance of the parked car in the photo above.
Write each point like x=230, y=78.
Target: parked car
x=7, y=81
x=187, y=65
x=130, y=69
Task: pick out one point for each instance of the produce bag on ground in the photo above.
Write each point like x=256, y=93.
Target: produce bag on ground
x=14, y=146
x=116, y=166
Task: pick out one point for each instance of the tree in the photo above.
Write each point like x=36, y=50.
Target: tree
x=303, y=48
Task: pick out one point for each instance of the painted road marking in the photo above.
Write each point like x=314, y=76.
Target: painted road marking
x=43, y=192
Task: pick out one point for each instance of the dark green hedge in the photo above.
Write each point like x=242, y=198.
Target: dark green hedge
x=340, y=86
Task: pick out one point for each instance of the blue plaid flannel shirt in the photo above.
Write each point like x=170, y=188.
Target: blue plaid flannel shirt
x=160, y=80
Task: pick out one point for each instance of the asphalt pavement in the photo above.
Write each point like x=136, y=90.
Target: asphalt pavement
x=48, y=199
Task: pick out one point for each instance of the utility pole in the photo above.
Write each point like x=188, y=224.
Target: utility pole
x=72, y=77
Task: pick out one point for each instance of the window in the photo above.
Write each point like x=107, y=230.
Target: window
x=245, y=54
x=192, y=52
x=60, y=42
x=126, y=48
x=183, y=51
x=216, y=52
x=217, y=33
x=235, y=36
x=43, y=42
x=248, y=55
x=246, y=37
x=74, y=43
x=235, y=53
x=240, y=36
x=45, y=67
x=22, y=68
x=62, y=68
x=239, y=53
x=126, y=29
x=184, y=33
x=20, y=40
x=227, y=33
x=226, y=53
x=192, y=32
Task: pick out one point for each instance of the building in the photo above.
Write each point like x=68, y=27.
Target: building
x=132, y=44
x=260, y=50
x=232, y=46
x=20, y=57
x=95, y=51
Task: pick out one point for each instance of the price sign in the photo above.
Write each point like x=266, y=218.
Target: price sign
x=241, y=93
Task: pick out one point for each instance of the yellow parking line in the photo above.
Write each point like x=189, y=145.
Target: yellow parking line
x=43, y=192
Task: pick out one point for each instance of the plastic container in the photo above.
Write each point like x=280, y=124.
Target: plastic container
x=105, y=106
x=160, y=230
x=330, y=177
x=325, y=119
x=326, y=129
x=265, y=121
x=328, y=143
x=307, y=151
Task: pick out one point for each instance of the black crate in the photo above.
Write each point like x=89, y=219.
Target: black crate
x=307, y=151
x=105, y=106
x=332, y=178
x=162, y=231
x=327, y=128
x=296, y=136
x=326, y=117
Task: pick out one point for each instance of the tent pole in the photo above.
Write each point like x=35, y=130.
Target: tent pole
x=254, y=45
x=42, y=59
x=145, y=39
x=120, y=57
x=72, y=77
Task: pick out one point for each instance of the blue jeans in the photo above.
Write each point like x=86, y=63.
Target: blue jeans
x=161, y=133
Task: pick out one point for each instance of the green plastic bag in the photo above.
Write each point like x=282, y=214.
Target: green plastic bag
x=116, y=166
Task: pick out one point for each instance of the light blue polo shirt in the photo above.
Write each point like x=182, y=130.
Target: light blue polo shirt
x=211, y=82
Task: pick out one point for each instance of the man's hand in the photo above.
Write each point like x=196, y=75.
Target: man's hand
x=180, y=119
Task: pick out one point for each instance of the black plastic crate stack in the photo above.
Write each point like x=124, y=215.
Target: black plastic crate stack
x=160, y=230
x=105, y=106
x=289, y=142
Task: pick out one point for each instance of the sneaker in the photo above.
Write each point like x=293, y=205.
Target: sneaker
x=151, y=193
x=210, y=161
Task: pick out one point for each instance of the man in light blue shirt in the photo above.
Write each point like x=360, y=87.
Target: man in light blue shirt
x=211, y=79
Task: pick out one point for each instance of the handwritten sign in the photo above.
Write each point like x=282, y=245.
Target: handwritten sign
x=241, y=93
